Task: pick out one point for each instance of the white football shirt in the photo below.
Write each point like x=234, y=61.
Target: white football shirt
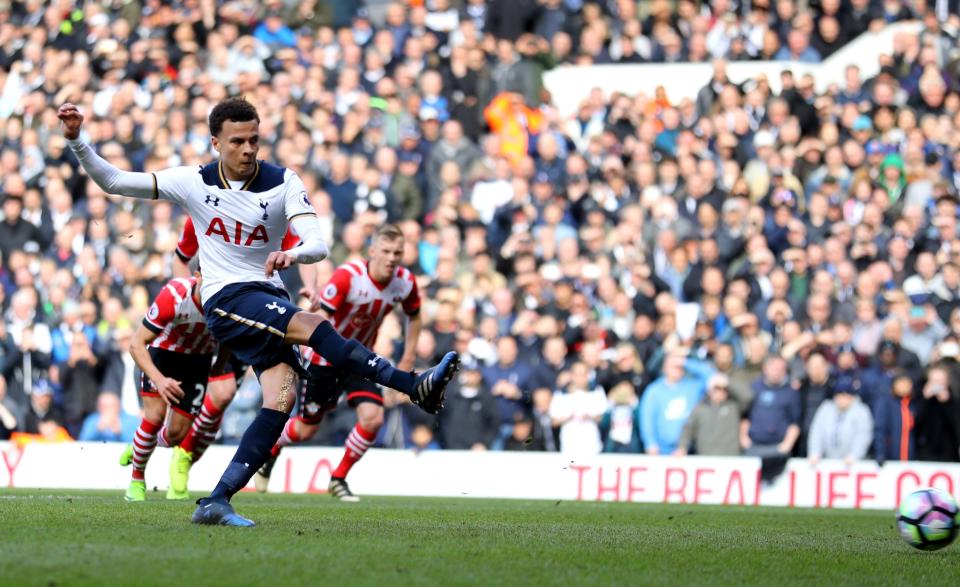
x=237, y=226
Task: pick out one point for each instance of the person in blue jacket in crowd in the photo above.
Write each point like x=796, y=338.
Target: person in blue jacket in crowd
x=668, y=401
x=109, y=423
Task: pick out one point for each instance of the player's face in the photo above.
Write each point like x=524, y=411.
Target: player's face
x=385, y=257
x=238, y=144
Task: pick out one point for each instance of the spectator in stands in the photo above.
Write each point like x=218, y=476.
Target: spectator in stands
x=15, y=232
x=553, y=362
x=798, y=48
x=577, y=411
x=668, y=401
x=41, y=409
x=28, y=344
x=545, y=434
x=894, y=414
x=509, y=382
x=470, y=420
x=620, y=425
x=938, y=419
x=625, y=368
x=10, y=420
x=772, y=425
x=738, y=380
x=79, y=379
x=713, y=428
x=521, y=438
x=843, y=427
x=422, y=438
x=120, y=372
x=923, y=330
x=815, y=388
x=108, y=423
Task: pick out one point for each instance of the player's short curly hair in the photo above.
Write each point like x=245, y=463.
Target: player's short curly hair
x=235, y=109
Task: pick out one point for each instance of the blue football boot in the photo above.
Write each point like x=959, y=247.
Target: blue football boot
x=218, y=512
x=430, y=385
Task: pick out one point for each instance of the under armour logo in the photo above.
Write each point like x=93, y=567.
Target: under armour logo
x=280, y=309
x=264, y=206
x=373, y=361
x=212, y=200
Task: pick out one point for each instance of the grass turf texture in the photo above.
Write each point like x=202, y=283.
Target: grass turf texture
x=94, y=538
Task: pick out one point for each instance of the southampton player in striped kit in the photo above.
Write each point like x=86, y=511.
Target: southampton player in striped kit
x=242, y=208
x=356, y=300
x=174, y=351
x=222, y=387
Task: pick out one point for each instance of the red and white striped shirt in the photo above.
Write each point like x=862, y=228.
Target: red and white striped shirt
x=178, y=320
x=357, y=304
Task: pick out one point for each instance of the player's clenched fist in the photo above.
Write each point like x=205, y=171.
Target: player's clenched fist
x=277, y=261
x=72, y=120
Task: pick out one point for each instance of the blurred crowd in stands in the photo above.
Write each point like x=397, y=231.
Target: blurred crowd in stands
x=749, y=271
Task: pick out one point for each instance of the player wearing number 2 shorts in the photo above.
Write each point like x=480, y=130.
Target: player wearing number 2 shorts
x=174, y=351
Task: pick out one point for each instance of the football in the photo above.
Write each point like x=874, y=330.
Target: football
x=927, y=519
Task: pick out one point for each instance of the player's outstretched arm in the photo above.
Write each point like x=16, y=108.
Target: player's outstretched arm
x=109, y=178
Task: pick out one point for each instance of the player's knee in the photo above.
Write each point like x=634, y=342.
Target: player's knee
x=372, y=420
x=177, y=430
x=153, y=413
x=222, y=392
x=302, y=327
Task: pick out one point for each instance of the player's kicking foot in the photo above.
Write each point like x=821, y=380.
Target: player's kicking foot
x=215, y=512
x=136, y=491
x=431, y=384
x=340, y=490
x=180, y=463
x=261, y=480
x=126, y=457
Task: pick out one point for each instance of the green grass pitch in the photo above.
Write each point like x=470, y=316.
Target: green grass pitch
x=60, y=538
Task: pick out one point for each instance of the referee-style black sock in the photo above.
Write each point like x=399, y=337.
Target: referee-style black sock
x=350, y=355
x=253, y=452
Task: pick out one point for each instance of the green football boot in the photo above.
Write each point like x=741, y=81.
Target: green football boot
x=137, y=491
x=180, y=463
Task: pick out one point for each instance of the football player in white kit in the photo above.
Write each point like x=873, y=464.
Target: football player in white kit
x=242, y=208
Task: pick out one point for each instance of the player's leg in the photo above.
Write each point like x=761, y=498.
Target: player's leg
x=318, y=395
x=144, y=441
x=220, y=392
x=279, y=384
x=296, y=430
x=179, y=423
x=175, y=428
x=367, y=398
x=426, y=389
